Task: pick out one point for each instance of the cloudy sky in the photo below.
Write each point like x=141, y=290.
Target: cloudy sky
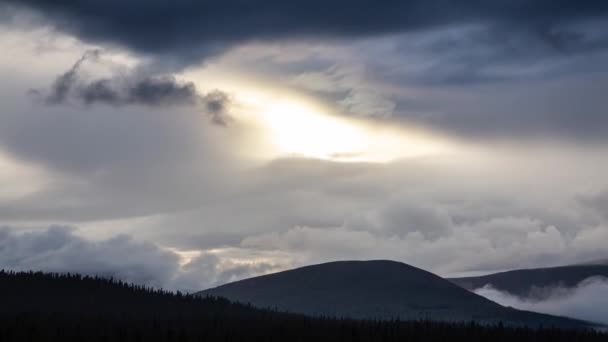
x=185, y=144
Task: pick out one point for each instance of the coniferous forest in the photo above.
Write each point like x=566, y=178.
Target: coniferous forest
x=69, y=307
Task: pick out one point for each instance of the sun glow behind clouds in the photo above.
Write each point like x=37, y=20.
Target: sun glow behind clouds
x=275, y=123
x=298, y=130
x=302, y=130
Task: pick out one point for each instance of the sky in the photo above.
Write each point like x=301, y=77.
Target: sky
x=185, y=144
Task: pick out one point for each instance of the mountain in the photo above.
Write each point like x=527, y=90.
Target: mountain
x=374, y=290
x=68, y=308
x=594, y=262
x=535, y=283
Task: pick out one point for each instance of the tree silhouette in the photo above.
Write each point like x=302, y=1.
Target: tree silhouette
x=69, y=307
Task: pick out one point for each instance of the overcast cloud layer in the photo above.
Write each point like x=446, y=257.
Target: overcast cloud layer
x=209, y=26
x=135, y=123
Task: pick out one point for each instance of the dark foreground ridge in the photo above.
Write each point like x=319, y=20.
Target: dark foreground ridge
x=44, y=307
x=535, y=283
x=377, y=289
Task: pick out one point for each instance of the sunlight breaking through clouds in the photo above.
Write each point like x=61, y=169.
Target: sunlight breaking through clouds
x=299, y=129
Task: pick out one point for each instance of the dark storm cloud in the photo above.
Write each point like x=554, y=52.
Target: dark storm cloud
x=120, y=90
x=499, y=53
x=215, y=104
x=190, y=30
x=153, y=91
x=64, y=83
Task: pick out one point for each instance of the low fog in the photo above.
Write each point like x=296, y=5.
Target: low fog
x=587, y=301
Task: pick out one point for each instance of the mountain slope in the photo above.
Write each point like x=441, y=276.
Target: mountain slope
x=373, y=289
x=532, y=283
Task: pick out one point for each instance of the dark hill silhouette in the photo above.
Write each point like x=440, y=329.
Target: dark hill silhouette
x=373, y=290
x=594, y=262
x=533, y=283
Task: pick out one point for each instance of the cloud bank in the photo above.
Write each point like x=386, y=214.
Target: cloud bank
x=587, y=301
x=59, y=249
x=194, y=29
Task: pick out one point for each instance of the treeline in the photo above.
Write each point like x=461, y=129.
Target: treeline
x=66, y=307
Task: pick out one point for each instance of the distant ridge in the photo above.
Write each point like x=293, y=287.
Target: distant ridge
x=593, y=262
x=529, y=283
x=378, y=289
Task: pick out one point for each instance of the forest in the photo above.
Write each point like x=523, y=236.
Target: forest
x=70, y=307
